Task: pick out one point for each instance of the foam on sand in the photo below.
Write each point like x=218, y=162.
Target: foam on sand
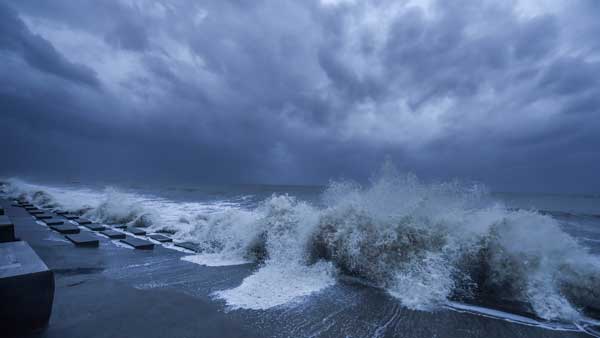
x=276, y=285
x=212, y=259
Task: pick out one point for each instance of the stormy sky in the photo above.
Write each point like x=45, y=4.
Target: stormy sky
x=298, y=92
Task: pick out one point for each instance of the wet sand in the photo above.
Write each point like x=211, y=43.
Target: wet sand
x=114, y=291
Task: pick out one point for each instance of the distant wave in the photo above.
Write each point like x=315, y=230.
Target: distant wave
x=428, y=245
x=565, y=214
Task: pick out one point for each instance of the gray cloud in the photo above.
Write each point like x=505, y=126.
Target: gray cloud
x=301, y=92
x=38, y=52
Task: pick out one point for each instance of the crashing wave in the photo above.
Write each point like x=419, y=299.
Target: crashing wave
x=426, y=244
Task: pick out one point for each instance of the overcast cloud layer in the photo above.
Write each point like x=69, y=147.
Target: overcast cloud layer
x=504, y=92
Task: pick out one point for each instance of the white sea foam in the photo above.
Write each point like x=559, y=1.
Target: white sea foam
x=426, y=244
x=114, y=206
x=212, y=259
x=510, y=317
x=275, y=285
x=285, y=228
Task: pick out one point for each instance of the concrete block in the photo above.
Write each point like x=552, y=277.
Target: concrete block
x=5, y=220
x=27, y=205
x=136, y=231
x=83, y=221
x=160, y=238
x=113, y=234
x=7, y=230
x=189, y=245
x=138, y=243
x=65, y=229
x=95, y=226
x=43, y=216
x=167, y=231
x=61, y=212
x=83, y=239
x=70, y=216
x=53, y=221
x=26, y=289
x=119, y=226
x=37, y=212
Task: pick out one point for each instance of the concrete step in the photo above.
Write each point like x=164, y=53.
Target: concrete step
x=44, y=216
x=7, y=229
x=113, y=234
x=188, y=245
x=65, y=229
x=160, y=238
x=83, y=239
x=95, y=226
x=53, y=221
x=136, y=231
x=83, y=221
x=70, y=216
x=26, y=289
x=137, y=243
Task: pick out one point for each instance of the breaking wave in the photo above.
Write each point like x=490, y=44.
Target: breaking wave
x=428, y=245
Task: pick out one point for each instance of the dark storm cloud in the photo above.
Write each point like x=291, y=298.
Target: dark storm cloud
x=128, y=35
x=37, y=52
x=299, y=92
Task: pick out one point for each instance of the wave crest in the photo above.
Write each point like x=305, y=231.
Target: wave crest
x=426, y=244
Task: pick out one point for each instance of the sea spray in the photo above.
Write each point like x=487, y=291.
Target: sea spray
x=286, y=227
x=426, y=244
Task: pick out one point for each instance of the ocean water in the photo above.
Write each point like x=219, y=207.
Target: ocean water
x=428, y=245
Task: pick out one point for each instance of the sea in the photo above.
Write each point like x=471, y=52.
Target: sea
x=528, y=258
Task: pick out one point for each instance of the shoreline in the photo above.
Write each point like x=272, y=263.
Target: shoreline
x=112, y=290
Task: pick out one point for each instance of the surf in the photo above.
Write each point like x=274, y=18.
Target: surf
x=429, y=245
